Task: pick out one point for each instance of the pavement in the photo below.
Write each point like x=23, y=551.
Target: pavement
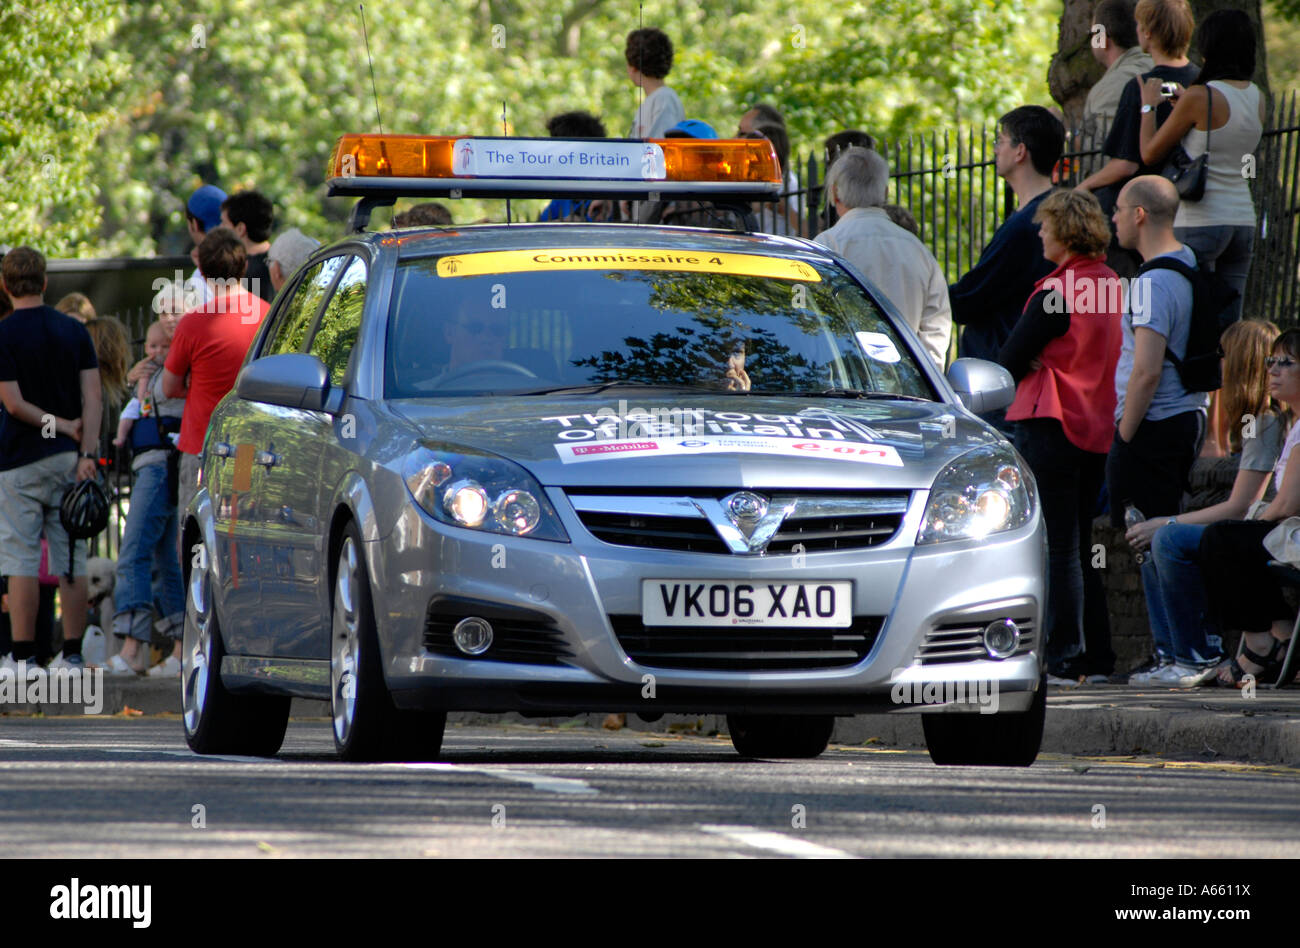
x=1199, y=724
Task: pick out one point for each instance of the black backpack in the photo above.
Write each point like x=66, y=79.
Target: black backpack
x=1200, y=367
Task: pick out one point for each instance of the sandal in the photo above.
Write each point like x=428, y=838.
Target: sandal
x=1270, y=665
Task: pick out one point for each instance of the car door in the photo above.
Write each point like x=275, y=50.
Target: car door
x=295, y=493
x=232, y=484
x=268, y=549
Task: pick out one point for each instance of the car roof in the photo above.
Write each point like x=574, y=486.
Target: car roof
x=415, y=242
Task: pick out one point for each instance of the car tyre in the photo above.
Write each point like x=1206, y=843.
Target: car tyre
x=989, y=740
x=216, y=720
x=367, y=725
x=780, y=735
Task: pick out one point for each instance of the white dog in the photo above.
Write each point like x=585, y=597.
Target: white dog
x=101, y=577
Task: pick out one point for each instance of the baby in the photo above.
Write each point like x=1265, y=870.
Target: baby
x=157, y=339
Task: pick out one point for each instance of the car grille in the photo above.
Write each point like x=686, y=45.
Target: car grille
x=683, y=522
x=518, y=635
x=964, y=642
x=712, y=648
x=687, y=534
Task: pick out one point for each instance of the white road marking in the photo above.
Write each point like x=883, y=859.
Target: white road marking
x=777, y=842
x=539, y=781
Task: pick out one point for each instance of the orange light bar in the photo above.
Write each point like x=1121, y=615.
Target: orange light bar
x=733, y=161
x=720, y=159
x=392, y=156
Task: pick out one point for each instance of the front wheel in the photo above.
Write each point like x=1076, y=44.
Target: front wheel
x=216, y=720
x=367, y=726
x=993, y=740
x=773, y=735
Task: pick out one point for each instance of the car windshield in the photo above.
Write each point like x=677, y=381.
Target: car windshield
x=520, y=322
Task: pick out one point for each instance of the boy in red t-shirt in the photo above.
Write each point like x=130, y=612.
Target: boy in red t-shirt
x=209, y=346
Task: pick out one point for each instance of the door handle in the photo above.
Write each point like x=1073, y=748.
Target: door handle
x=267, y=459
x=222, y=450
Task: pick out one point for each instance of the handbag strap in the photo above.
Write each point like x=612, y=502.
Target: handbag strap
x=1209, y=118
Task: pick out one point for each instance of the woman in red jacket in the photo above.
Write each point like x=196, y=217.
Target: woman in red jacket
x=1063, y=353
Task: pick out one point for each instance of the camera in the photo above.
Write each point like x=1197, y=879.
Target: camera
x=1168, y=89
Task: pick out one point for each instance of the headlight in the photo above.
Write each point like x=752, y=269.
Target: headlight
x=480, y=491
x=980, y=493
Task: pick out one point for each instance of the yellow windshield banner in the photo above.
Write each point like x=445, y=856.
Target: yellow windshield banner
x=606, y=258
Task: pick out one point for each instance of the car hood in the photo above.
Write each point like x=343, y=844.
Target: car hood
x=707, y=441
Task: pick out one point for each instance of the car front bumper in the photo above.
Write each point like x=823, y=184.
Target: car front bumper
x=929, y=604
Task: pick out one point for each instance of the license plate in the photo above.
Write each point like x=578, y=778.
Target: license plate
x=736, y=602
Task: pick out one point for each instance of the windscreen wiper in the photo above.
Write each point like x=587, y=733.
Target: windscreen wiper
x=599, y=387
x=832, y=393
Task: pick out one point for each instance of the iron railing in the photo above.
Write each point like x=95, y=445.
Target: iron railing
x=949, y=183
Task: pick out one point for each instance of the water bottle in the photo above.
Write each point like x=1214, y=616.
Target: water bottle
x=1132, y=517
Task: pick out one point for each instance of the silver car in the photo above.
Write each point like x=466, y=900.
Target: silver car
x=566, y=468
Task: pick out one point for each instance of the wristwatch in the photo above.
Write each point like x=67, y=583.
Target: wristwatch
x=1148, y=108
x=1171, y=520
x=87, y=456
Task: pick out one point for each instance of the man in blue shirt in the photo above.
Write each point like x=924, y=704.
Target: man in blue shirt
x=1159, y=424
x=990, y=298
x=49, y=436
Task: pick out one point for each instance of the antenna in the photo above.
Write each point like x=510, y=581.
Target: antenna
x=505, y=133
x=640, y=61
x=373, y=88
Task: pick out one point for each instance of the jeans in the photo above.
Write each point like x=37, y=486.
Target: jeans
x=1226, y=250
x=1069, y=480
x=1176, y=600
x=1150, y=472
x=149, y=538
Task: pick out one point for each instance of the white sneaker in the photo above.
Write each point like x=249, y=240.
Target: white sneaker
x=11, y=668
x=1062, y=682
x=1146, y=677
x=1198, y=675
x=170, y=667
x=117, y=665
x=1179, y=675
x=75, y=662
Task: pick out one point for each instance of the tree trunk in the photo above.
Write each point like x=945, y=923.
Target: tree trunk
x=1073, y=70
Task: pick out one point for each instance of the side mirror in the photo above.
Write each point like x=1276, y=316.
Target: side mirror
x=982, y=386
x=291, y=380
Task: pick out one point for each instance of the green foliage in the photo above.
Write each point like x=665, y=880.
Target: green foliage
x=144, y=100
x=899, y=67
x=50, y=68
x=1282, y=44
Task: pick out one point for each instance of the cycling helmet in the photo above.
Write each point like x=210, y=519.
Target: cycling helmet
x=84, y=509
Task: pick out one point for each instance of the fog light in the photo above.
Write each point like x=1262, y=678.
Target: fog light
x=473, y=636
x=1001, y=638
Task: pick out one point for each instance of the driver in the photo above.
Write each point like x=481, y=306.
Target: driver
x=477, y=333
